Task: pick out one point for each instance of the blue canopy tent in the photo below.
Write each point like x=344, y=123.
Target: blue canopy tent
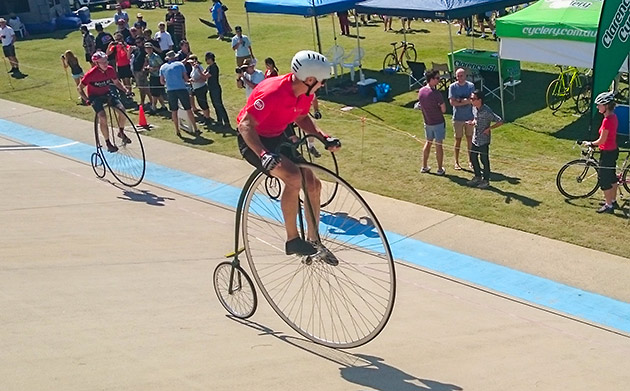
x=307, y=8
x=436, y=9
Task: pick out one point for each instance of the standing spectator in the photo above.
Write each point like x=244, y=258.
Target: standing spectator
x=167, y=19
x=218, y=15
x=433, y=109
x=459, y=97
x=122, y=52
x=140, y=24
x=122, y=29
x=153, y=64
x=7, y=35
x=89, y=43
x=164, y=38
x=242, y=46
x=173, y=76
x=272, y=69
x=178, y=23
x=133, y=34
x=182, y=56
x=607, y=143
x=198, y=79
x=249, y=77
x=103, y=39
x=214, y=88
x=485, y=17
x=140, y=74
x=343, y=22
x=148, y=37
x=387, y=23
x=121, y=15
x=69, y=60
x=484, y=116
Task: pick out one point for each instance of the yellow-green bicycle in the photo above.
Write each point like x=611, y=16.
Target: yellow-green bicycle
x=570, y=83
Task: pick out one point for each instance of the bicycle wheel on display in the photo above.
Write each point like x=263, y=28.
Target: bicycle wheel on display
x=583, y=103
x=554, y=96
x=128, y=164
x=622, y=96
x=410, y=55
x=342, y=306
x=390, y=62
x=580, y=83
x=625, y=179
x=240, y=298
x=578, y=179
x=97, y=164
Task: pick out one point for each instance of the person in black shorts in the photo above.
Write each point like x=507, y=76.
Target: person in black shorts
x=8, y=37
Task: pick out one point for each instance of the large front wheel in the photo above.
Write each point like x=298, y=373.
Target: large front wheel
x=344, y=305
x=578, y=179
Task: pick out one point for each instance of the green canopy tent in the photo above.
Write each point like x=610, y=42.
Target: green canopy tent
x=559, y=32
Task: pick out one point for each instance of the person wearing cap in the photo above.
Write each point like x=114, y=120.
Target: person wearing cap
x=152, y=65
x=164, y=38
x=8, y=37
x=140, y=24
x=121, y=15
x=214, y=88
x=274, y=104
x=242, y=46
x=173, y=75
x=249, y=76
x=176, y=25
x=123, y=29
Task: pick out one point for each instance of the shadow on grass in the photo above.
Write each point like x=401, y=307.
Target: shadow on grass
x=361, y=369
x=495, y=177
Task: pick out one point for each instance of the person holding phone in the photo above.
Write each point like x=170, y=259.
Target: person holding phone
x=8, y=37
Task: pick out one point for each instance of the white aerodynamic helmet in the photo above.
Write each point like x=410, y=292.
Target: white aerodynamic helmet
x=307, y=63
x=604, y=98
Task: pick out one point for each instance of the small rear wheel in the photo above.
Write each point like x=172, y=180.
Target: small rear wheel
x=235, y=290
x=578, y=179
x=97, y=164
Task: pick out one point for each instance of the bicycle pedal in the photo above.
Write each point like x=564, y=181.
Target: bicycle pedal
x=307, y=259
x=235, y=253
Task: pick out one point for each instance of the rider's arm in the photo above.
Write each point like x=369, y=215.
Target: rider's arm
x=81, y=90
x=247, y=130
x=308, y=126
x=120, y=86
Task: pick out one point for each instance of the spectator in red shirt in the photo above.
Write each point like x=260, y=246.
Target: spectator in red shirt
x=98, y=81
x=273, y=105
x=122, y=52
x=272, y=69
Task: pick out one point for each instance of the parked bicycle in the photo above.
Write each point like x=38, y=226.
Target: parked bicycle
x=397, y=61
x=342, y=305
x=570, y=83
x=128, y=164
x=579, y=178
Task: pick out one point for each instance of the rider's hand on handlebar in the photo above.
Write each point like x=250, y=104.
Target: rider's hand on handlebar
x=587, y=144
x=269, y=160
x=130, y=94
x=332, y=144
x=317, y=114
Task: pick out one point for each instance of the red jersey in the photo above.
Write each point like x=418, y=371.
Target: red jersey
x=121, y=55
x=98, y=81
x=273, y=105
x=611, y=123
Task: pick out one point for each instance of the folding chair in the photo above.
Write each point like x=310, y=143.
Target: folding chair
x=446, y=77
x=355, y=57
x=335, y=56
x=417, y=73
x=490, y=84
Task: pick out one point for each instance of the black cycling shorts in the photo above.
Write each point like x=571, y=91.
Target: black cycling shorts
x=9, y=50
x=607, y=172
x=272, y=144
x=98, y=102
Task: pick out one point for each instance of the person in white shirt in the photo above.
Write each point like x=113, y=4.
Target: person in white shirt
x=164, y=38
x=242, y=46
x=249, y=76
x=7, y=35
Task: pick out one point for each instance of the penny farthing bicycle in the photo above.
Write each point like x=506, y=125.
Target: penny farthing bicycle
x=344, y=305
x=128, y=163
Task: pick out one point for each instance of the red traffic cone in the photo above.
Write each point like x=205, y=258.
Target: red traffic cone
x=142, y=119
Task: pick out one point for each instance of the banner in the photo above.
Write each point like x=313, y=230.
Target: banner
x=611, y=48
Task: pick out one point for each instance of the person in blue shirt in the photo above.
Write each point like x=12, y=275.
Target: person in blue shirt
x=173, y=75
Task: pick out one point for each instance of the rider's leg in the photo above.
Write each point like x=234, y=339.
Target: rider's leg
x=102, y=121
x=289, y=173
x=314, y=187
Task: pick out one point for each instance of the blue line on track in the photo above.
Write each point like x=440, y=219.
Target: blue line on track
x=572, y=301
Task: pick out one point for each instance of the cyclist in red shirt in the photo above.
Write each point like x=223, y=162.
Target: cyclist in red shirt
x=607, y=143
x=273, y=105
x=98, y=82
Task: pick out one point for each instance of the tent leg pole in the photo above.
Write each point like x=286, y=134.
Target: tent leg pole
x=249, y=30
x=361, y=77
x=501, y=85
x=450, y=37
x=319, y=43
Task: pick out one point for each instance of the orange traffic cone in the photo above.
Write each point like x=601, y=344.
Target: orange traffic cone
x=142, y=119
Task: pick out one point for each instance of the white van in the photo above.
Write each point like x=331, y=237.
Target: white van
x=76, y=4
